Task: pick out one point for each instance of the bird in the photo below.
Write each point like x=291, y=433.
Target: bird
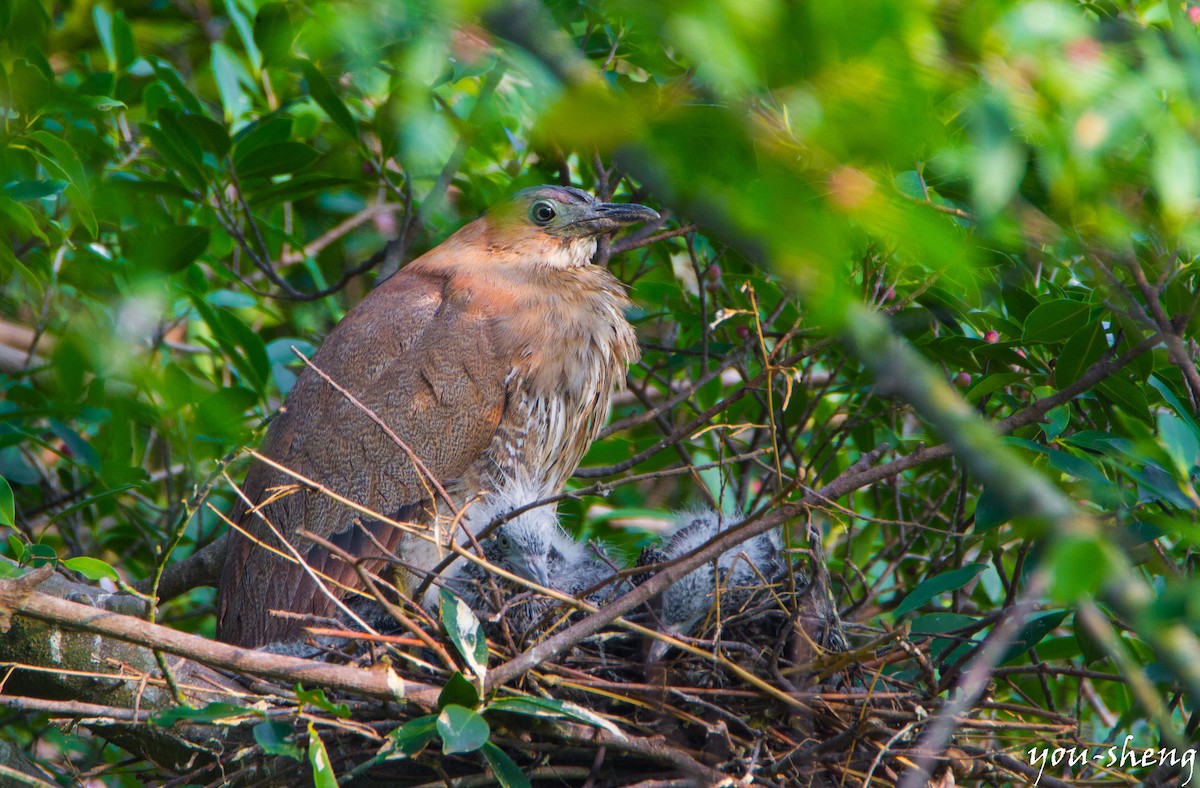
x=492, y=355
x=530, y=544
x=739, y=570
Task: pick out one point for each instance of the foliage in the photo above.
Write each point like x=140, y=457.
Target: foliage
x=190, y=192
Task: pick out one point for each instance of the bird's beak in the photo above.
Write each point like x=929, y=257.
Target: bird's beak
x=537, y=571
x=605, y=217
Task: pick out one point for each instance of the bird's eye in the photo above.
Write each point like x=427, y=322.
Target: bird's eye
x=542, y=212
x=502, y=540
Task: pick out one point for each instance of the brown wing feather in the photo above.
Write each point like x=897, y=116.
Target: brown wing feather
x=428, y=365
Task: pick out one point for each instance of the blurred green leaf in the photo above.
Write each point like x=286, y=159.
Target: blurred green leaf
x=172, y=249
x=327, y=98
x=278, y=159
x=274, y=32
x=33, y=190
x=211, y=135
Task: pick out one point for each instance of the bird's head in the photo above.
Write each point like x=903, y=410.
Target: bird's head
x=685, y=603
x=528, y=545
x=559, y=224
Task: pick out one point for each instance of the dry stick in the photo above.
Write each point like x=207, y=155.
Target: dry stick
x=1175, y=347
x=15, y=777
x=393, y=610
x=293, y=553
x=19, y=597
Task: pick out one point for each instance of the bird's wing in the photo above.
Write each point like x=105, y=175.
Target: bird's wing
x=428, y=365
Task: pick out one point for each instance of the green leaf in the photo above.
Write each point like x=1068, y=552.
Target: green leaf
x=938, y=623
x=244, y=347
x=278, y=159
x=1055, y=321
x=990, y=512
x=1078, y=567
x=18, y=547
x=8, y=507
x=102, y=19
x=552, y=707
x=91, y=568
x=322, y=769
x=327, y=99
x=939, y=584
x=1032, y=633
x=459, y=692
x=66, y=163
x=21, y=217
x=213, y=712
x=230, y=78
x=78, y=449
x=317, y=698
x=462, y=730
x=1181, y=410
x=1180, y=443
x=465, y=633
x=415, y=735
x=172, y=249
x=274, y=32
x=275, y=739
x=211, y=135
x=175, y=155
x=223, y=414
x=1084, y=348
x=298, y=187
x=33, y=190
x=263, y=133
x=1090, y=647
x=1127, y=396
x=504, y=769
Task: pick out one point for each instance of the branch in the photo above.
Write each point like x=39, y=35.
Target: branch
x=17, y=597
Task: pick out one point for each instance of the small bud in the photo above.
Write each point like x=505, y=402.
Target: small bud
x=992, y=337
x=1193, y=13
x=889, y=294
x=962, y=380
x=713, y=273
x=743, y=332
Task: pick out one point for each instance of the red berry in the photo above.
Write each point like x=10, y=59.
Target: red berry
x=991, y=337
x=962, y=380
x=889, y=294
x=713, y=273
x=743, y=332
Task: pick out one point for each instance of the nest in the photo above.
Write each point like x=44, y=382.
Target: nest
x=772, y=691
